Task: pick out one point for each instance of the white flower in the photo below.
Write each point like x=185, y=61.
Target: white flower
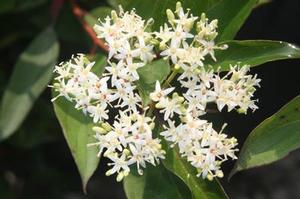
x=164, y=35
x=179, y=35
x=144, y=52
x=98, y=112
x=158, y=94
x=184, y=20
x=119, y=164
x=173, y=52
x=132, y=70
x=169, y=107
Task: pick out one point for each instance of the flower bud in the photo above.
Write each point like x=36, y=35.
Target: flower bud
x=152, y=125
x=180, y=99
x=171, y=16
x=114, y=16
x=242, y=111
x=126, y=173
x=56, y=86
x=197, y=71
x=178, y=6
x=162, y=46
x=150, y=22
x=158, y=106
x=99, y=130
x=214, y=23
x=183, y=119
x=182, y=109
x=203, y=17
x=220, y=174
x=189, y=25
x=126, y=152
x=109, y=173
x=175, y=95
x=154, y=41
x=209, y=177
x=133, y=117
x=106, y=126
x=176, y=67
x=120, y=177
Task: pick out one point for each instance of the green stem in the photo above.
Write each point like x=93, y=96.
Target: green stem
x=170, y=78
x=164, y=85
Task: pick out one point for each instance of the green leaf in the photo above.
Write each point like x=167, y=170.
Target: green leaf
x=77, y=129
x=253, y=53
x=262, y=3
x=69, y=29
x=156, y=9
x=273, y=139
x=231, y=16
x=30, y=77
x=200, y=188
x=156, y=70
x=155, y=183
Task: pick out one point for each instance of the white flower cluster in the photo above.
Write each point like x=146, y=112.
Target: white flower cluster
x=129, y=140
x=205, y=148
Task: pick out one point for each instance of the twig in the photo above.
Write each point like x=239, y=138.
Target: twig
x=80, y=13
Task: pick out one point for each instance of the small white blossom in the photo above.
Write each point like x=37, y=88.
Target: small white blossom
x=159, y=93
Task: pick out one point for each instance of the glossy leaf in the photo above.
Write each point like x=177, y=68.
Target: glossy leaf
x=155, y=183
x=273, y=139
x=77, y=129
x=156, y=70
x=231, y=16
x=253, y=53
x=200, y=188
x=30, y=77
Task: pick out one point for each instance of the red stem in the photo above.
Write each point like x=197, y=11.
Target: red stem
x=80, y=13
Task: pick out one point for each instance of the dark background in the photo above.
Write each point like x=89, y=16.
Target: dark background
x=36, y=163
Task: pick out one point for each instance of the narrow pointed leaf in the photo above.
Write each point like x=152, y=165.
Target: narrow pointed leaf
x=77, y=129
x=231, y=16
x=155, y=183
x=30, y=77
x=273, y=139
x=147, y=8
x=253, y=53
x=200, y=188
x=262, y=3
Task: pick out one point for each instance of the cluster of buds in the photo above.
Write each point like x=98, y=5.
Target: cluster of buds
x=129, y=138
